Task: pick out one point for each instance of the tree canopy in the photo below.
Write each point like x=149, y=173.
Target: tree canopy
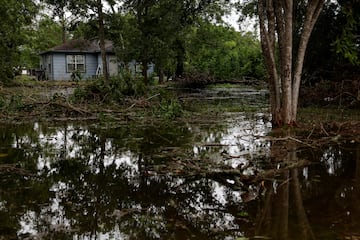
x=15, y=19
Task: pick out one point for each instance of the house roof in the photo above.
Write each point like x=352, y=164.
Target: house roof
x=81, y=46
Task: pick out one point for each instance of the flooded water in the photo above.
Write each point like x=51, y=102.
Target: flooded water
x=89, y=181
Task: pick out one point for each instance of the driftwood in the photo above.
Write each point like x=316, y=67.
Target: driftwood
x=70, y=107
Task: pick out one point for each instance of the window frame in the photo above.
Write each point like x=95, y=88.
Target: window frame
x=76, y=60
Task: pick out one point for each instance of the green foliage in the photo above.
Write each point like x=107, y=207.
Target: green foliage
x=154, y=31
x=114, y=90
x=128, y=84
x=45, y=34
x=14, y=18
x=224, y=53
x=334, y=45
x=346, y=43
x=2, y=103
x=169, y=107
x=76, y=76
x=12, y=103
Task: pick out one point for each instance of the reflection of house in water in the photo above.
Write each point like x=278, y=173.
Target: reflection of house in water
x=84, y=57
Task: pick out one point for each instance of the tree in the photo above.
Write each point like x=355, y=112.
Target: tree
x=347, y=43
x=59, y=10
x=161, y=28
x=223, y=52
x=15, y=18
x=146, y=24
x=283, y=59
x=89, y=9
x=164, y=24
x=334, y=43
x=45, y=34
x=188, y=13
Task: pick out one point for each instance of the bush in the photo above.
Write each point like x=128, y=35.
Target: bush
x=125, y=84
x=170, y=109
x=13, y=103
x=167, y=107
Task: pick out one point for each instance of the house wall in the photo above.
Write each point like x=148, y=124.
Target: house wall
x=112, y=64
x=135, y=68
x=54, y=65
x=46, y=64
x=58, y=71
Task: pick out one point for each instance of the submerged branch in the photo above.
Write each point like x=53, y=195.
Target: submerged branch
x=219, y=172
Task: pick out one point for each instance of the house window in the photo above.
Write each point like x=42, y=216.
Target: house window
x=75, y=63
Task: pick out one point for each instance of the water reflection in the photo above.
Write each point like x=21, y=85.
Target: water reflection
x=79, y=181
x=90, y=184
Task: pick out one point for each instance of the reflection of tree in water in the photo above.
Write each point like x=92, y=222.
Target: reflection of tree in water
x=347, y=197
x=91, y=183
x=283, y=215
x=317, y=202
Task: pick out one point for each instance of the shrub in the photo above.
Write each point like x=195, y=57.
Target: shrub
x=125, y=84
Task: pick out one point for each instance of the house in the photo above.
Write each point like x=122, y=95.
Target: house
x=81, y=56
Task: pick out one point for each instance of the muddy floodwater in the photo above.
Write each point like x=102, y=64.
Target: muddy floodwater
x=140, y=181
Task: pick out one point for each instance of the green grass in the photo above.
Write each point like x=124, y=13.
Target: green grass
x=27, y=81
x=319, y=114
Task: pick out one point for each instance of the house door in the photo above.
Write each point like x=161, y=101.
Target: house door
x=113, y=66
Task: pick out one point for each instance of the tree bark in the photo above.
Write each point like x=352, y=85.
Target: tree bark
x=180, y=58
x=161, y=75
x=284, y=20
x=63, y=27
x=266, y=14
x=312, y=14
x=144, y=68
x=276, y=23
x=102, y=40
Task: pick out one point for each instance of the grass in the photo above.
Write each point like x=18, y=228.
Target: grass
x=27, y=81
x=321, y=114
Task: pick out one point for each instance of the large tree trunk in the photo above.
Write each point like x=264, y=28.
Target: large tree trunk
x=144, y=68
x=276, y=23
x=180, y=58
x=284, y=21
x=312, y=14
x=102, y=40
x=63, y=27
x=267, y=33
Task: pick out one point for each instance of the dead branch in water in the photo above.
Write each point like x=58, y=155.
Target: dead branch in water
x=65, y=105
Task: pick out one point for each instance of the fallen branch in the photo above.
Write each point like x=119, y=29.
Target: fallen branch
x=69, y=106
x=63, y=105
x=147, y=99
x=289, y=138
